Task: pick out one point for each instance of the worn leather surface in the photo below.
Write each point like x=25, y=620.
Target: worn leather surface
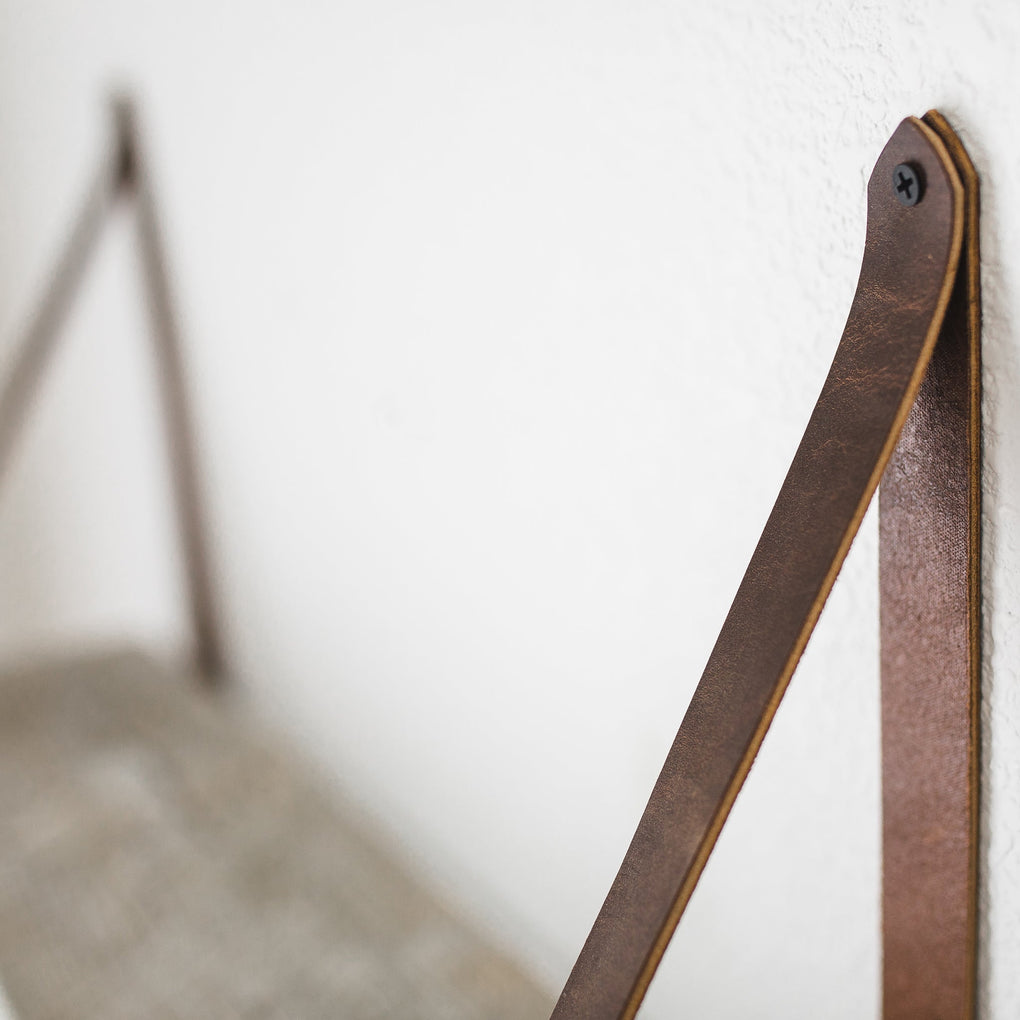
x=910, y=262
x=930, y=510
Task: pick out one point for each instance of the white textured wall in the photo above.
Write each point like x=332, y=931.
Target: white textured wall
x=504, y=321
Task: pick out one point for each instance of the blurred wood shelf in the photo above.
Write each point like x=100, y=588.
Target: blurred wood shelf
x=162, y=857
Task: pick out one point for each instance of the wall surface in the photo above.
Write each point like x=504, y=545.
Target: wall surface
x=503, y=321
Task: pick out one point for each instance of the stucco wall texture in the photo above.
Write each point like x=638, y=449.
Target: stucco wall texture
x=503, y=322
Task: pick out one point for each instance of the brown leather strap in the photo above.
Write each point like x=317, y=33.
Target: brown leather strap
x=930, y=518
x=171, y=377
x=124, y=171
x=910, y=264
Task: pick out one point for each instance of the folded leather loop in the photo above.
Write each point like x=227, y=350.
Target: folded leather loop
x=911, y=258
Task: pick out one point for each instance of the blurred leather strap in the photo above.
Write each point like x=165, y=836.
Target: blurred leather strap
x=908, y=275
x=930, y=561
x=124, y=173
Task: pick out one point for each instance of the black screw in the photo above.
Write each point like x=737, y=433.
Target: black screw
x=907, y=184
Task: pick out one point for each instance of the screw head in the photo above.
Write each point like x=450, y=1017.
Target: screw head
x=908, y=185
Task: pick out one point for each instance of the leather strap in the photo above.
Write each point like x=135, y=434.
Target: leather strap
x=911, y=258
x=930, y=560
x=124, y=173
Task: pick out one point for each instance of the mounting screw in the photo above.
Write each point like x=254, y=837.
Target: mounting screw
x=907, y=184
